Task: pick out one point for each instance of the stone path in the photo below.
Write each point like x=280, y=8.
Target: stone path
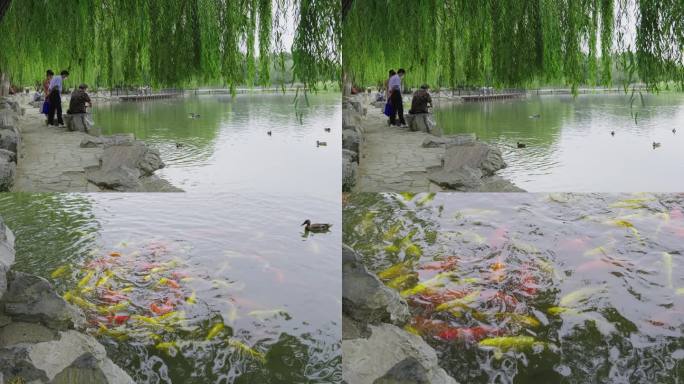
x=393, y=159
x=51, y=159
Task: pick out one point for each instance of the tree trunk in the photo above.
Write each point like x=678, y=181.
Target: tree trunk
x=4, y=84
x=346, y=83
x=4, y=4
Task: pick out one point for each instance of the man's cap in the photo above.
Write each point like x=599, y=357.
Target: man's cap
x=83, y=86
x=424, y=86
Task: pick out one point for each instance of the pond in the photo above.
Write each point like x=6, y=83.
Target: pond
x=569, y=146
x=228, y=149
x=193, y=288
x=534, y=288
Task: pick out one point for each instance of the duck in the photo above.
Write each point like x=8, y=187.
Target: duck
x=316, y=227
x=674, y=130
x=269, y=133
x=180, y=145
x=535, y=116
x=656, y=145
x=194, y=116
x=521, y=145
x=612, y=133
x=327, y=129
x=321, y=143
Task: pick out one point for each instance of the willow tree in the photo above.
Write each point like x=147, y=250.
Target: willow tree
x=168, y=43
x=510, y=43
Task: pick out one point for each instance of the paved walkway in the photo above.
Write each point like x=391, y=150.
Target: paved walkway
x=393, y=159
x=51, y=159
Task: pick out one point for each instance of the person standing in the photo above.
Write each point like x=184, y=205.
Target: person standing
x=55, y=99
x=46, y=83
x=394, y=85
x=387, y=90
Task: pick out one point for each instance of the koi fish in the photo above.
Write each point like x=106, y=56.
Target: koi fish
x=115, y=254
x=160, y=309
x=264, y=314
x=86, y=279
x=103, y=280
x=192, y=299
x=168, y=347
x=118, y=319
x=667, y=262
x=440, y=265
x=505, y=343
x=169, y=282
x=465, y=300
x=519, y=319
x=60, y=271
x=394, y=271
x=245, y=349
x=574, y=298
x=403, y=282
x=435, y=281
x=215, y=330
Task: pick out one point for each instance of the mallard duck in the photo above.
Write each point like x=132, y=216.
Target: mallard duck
x=521, y=145
x=674, y=130
x=180, y=145
x=656, y=145
x=193, y=116
x=327, y=129
x=612, y=133
x=315, y=227
x=535, y=116
x=269, y=133
x=321, y=143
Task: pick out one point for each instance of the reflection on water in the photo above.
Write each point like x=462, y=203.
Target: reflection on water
x=570, y=148
x=158, y=274
x=534, y=288
x=227, y=147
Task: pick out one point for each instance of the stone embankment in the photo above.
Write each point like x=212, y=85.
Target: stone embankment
x=50, y=159
x=380, y=158
x=41, y=335
x=375, y=347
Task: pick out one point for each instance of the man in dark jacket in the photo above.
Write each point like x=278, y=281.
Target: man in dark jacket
x=79, y=99
x=421, y=101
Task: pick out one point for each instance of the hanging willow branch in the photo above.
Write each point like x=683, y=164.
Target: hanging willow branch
x=166, y=43
x=508, y=43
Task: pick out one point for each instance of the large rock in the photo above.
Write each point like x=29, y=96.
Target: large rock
x=351, y=139
x=122, y=166
x=458, y=179
x=8, y=170
x=10, y=139
x=6, y=255
x=476, y=155
x=32, y=299
x=107, y=141
x=365, y=299
x=350, y=168
x=20, y=332
x=72, y=358
x=391, y=356
x=433, y=141
x=422, y=122
x=78, y=122
x=8, y=118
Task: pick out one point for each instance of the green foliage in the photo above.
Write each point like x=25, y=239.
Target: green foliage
x=506, y=43
x=166, y=43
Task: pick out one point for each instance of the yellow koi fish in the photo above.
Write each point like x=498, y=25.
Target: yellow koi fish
x=436, y=281
x=403, y=282
x=215, y=330
x=86, y=279
x=192, y=299
x=574, y=298
x=244, y=348
x=394, y=271
x=103, y=280
x=463, y=301
x=519, y=319
x=505, y=343
x=168, y=347
x=667, y=262
x=59, y=272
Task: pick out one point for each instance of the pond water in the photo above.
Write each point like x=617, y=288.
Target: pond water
x=570, y=148
x=534, y=288
x=193, y=288
x=227, y=148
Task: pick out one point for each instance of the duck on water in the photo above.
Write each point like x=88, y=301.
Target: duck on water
x=315, y=227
